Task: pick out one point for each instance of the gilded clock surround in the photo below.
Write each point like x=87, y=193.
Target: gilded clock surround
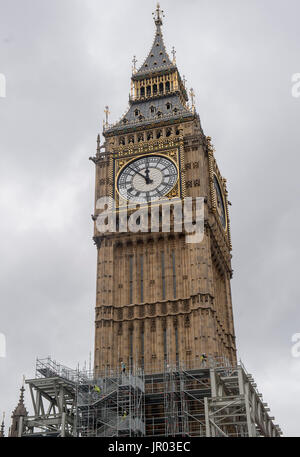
x=223, y=199
x=121, y=164
x=215, y=172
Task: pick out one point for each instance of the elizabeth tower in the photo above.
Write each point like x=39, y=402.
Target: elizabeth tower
x=160, y=299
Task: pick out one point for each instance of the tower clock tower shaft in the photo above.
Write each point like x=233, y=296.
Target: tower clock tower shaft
x=161, y=300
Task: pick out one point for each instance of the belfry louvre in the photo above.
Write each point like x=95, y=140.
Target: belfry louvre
x=165, y=351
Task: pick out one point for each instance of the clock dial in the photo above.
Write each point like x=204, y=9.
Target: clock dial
x=220, y=202
x=147, y=179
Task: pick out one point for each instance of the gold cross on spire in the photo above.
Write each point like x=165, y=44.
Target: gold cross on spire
x=107, y=112
x=134, y=61
x=192, y=95
x=174, y=55
x=158, y=15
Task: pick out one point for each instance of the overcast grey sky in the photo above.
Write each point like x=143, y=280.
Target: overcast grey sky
x=64, y=60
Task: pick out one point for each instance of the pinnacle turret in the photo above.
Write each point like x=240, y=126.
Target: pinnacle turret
x=19, y=411
x=2, y=433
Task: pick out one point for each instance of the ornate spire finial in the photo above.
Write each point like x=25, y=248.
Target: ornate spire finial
x=184, y=80
x=98, y=143
x=2, y=435
x=174, y=55
x=192, y=95
x=158, y=15
x=134, y=62
x=107, y=112
x=19, y=411
x=22, y=390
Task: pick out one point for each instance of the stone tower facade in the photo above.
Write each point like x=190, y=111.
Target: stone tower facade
x=161, y=300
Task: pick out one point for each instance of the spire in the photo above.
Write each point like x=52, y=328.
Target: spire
x=2, y=435
x=158, y=14
x=19, y=411
x=158, y=58
x=134, y=62
x=174, y=55
x=107, y=113
x=192, y=95
x=158, y=94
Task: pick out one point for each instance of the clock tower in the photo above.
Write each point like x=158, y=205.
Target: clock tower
x=161, y=300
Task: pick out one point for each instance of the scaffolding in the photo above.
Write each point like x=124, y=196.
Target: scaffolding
x=111, y=405
x=53, y=395
x=203, y=399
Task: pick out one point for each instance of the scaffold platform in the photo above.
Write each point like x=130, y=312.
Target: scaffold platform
x=212, y=399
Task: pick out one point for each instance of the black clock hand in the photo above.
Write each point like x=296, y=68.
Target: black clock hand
x=148, y=180
x=145, y=178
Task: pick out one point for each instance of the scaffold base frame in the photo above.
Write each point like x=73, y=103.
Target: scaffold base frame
x=212, y=399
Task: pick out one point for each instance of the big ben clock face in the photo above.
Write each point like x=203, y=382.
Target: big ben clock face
x=147, y=179
x=220, y=202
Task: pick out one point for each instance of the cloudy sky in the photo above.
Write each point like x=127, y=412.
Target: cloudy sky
x=64, y=60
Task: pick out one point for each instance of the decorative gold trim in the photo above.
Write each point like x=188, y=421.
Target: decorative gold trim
x=227, y=210
x=182, y=162
x=111, y=177
x=224, y=201
x=214, y=171
x=147, y=145
x=211, y=177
